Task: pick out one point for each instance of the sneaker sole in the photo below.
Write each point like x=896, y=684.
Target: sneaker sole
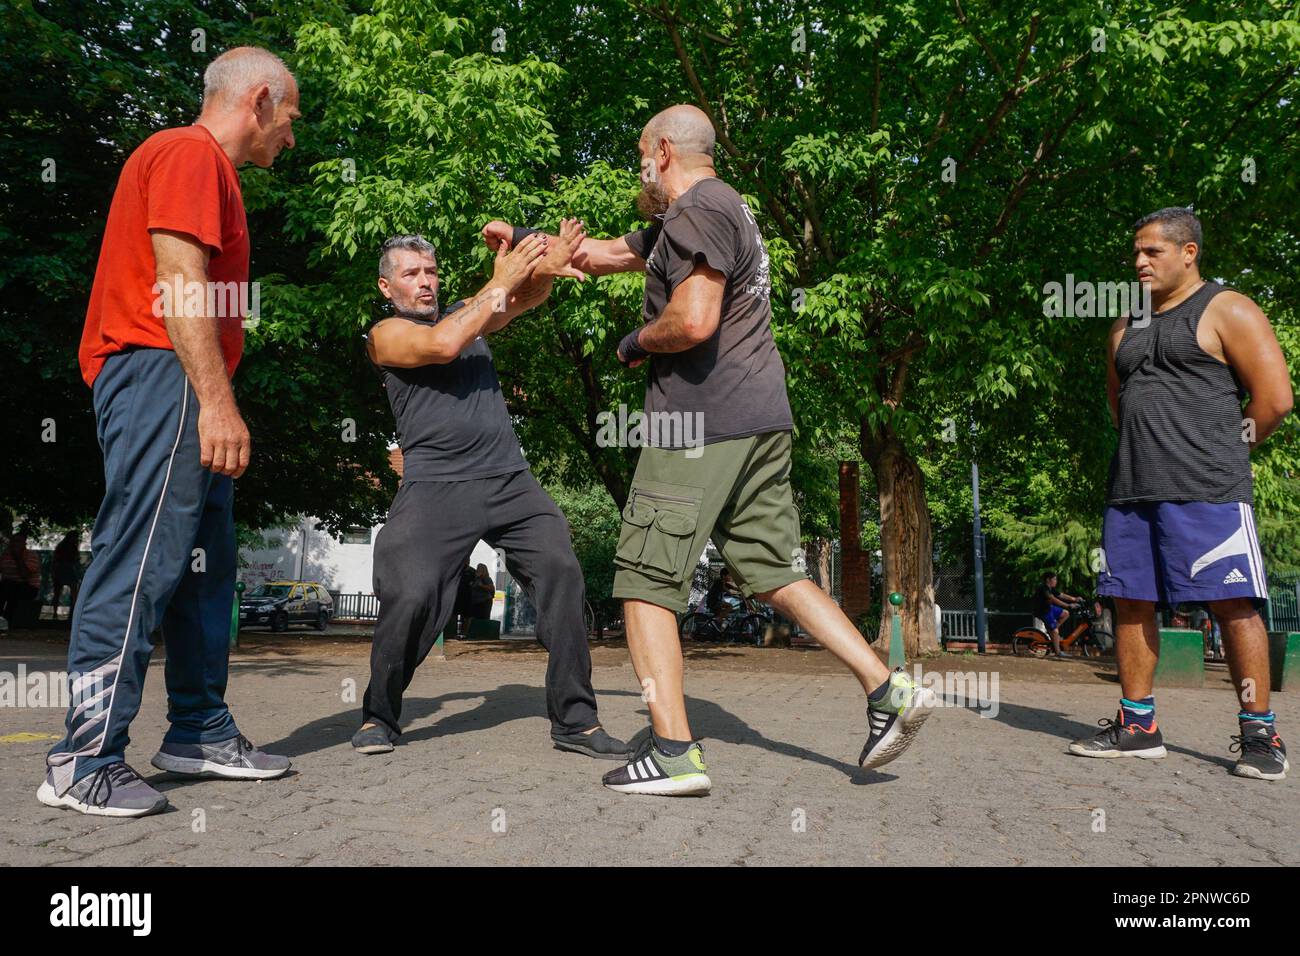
x=1252, y=774
x=195, y=767
x=373, y=748
x=899, y=737
x=1150, y=753
x=694, y=785
x=45, y=793
x=588, y=752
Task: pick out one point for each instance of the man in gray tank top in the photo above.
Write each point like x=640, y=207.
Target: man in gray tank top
x=465, y=479
x=1179, y=526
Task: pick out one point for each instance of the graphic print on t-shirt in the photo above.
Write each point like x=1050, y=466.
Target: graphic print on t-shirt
x=733, y=383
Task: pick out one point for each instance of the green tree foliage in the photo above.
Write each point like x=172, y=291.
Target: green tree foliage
x=921, y=171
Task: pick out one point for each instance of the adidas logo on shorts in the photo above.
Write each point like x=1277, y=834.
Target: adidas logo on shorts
x=1235, y=577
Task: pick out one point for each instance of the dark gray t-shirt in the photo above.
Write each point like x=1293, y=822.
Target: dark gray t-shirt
x=733, y=384
x=452, y=421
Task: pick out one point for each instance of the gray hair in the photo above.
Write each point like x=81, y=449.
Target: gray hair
x=411, y=243
x=1178, y=224
x=241, y=69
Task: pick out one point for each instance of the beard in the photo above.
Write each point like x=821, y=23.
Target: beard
x=415, y=309
x=652, y=201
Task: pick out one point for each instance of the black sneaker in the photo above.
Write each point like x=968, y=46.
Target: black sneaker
x=652, y=772
x=596, y=744
x=112, y=791
x=894, y=721
x=372, y=740
x=1118, y=739
x=235, y=759
x=1263, y=755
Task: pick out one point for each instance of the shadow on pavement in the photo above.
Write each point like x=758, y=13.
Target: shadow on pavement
x=1056, y=724
x=510, y=702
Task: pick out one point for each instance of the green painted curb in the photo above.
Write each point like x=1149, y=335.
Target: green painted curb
x=1182, y=658
x=1284, y=659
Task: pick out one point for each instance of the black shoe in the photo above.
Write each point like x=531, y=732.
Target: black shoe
x=372, y=740
x=1118, y=739
x=1263, y=755
x=596, y=744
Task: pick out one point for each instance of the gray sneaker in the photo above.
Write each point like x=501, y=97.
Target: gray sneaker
x=112, y=791
x=235, y=758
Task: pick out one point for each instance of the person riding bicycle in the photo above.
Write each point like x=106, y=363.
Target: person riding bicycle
x=1052, y=609
x=724, y=586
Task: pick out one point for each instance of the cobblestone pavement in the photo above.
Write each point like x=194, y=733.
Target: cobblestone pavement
x=475, y=779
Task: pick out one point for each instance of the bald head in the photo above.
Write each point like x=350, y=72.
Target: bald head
x=233, y=74
x=686, y=127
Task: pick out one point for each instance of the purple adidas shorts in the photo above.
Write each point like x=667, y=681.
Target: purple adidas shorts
x=1176, y=551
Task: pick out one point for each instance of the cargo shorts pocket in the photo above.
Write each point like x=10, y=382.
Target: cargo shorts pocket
x=658, y=528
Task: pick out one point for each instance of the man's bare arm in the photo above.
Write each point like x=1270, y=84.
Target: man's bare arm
x=224, y=442
x=528, y=296
x=691, y=317
x=602, y=257
x=1252, y=350
x=1112, y=377
x=400, y=343
x=595, y=257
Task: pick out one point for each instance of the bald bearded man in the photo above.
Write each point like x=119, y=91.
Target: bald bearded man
x=707, y=338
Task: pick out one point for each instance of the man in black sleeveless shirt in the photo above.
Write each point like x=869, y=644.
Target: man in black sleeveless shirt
x=464, y=478
x=1179, y=525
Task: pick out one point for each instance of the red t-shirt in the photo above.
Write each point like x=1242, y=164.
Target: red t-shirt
x=180, y=180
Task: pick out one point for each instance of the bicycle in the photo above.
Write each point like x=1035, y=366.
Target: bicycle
x=737, y=627
x=1035, y=641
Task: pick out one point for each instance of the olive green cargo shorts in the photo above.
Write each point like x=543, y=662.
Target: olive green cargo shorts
x=737, y=492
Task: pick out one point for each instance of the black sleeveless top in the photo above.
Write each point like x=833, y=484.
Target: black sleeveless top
x=452, y=421
x=1180, y=421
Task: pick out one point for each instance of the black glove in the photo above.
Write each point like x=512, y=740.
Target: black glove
x=630, y=350
x=520, y=233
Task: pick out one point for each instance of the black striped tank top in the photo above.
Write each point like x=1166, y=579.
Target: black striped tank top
x=1180, y=421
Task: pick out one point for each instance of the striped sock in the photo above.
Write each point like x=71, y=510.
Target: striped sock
x=1265, y=718
x=1141, y=712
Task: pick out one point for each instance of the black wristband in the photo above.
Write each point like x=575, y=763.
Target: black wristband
x=520, y=232
x=630, y=350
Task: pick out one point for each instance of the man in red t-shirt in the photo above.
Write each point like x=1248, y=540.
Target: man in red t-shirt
x=163, y=335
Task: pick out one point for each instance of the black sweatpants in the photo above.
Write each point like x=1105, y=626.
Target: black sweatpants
x=420, y=552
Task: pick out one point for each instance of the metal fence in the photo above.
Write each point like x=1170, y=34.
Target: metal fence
x=1284, y=603
x=355, y=607
x=960, y=625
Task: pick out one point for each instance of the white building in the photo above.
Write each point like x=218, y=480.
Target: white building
x=303, y=552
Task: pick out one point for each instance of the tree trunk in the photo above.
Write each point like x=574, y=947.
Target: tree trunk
x=819, y=563
x=906, y=543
